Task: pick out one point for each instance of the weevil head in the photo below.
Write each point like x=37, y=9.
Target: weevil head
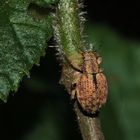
x=91, y=62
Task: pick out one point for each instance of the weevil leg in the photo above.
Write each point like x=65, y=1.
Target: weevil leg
x=101, y=70
x=73, y=95
x=99, y=60
x=73, y=87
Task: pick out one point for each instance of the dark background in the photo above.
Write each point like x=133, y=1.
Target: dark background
x=41, y=109
x=122, y=16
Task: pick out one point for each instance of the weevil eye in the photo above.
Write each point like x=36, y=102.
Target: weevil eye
x=73, y=86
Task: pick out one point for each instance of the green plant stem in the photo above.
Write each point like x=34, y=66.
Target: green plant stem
x=67, y=31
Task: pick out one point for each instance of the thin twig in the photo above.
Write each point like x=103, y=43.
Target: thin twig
x=89, y=125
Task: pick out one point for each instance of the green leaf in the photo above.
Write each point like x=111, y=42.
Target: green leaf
x=23, y=36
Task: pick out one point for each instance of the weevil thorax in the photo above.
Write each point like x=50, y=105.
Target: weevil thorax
x=91, y=64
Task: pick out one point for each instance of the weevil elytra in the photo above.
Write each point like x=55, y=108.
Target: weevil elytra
x=90, y=87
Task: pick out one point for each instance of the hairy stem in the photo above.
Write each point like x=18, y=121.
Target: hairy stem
x=68, y=31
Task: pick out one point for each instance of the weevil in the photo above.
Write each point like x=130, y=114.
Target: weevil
x=90, y=87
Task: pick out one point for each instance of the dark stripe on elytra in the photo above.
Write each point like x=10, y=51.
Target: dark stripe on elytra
x=95, y=80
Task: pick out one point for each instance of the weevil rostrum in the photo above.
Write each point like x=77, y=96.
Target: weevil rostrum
x=89, y=84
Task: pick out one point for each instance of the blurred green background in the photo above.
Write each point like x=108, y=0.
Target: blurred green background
x=41, y=110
